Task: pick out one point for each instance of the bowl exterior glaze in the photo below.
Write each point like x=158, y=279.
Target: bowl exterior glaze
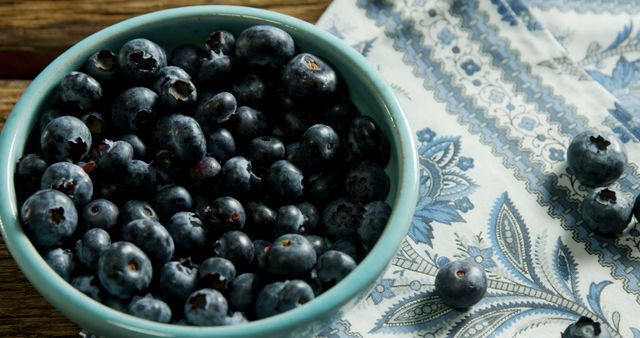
x=169, y=28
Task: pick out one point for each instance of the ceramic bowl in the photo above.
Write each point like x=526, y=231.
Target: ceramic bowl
x=192, y=24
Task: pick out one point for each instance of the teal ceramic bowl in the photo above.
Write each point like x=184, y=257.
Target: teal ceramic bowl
x=169, y=28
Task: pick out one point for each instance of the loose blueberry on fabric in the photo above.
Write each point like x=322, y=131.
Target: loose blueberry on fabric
x=212, y=171
x=585, y=327
x=461, y=283
x=596, y=158
x=607, y=211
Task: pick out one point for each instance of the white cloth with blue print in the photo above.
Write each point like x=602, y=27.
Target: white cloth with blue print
x=494, y=91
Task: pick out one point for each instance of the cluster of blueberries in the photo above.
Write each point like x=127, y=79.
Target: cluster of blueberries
x=211, y=186
x=596, y=159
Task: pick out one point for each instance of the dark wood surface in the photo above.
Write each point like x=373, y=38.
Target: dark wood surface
x=33, y=33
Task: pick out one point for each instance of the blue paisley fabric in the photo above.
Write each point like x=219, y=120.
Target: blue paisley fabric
x=494, y=91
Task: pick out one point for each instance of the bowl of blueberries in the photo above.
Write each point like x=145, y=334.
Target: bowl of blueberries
x=206, y=171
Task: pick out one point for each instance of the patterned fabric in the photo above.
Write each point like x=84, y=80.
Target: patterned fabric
x=494, y=91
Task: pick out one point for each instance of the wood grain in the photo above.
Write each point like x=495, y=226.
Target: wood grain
x=35, y=31
x=23, y=312
x=10, y=91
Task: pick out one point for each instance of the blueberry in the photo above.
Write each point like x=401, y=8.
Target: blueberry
x=139, y=178
x=350, y=245
x=340, y=218
x=135, y=109
x=265, y=150
x=176, y=91
x=291, y=255
x=292, y=126
x=374, y=220
x=29, y=173
x=461, y=283
x=178, y=279
x=102, y=65
x=168, y=166
x=289, y=220
x=585, y=327
x=100, y=213
x=206, y=307
x=215, y=110
x=606, y=211
x=260, y=219
x=367, y=182
x=284, y=180
x=124, y=270
x=596, y=158
x=87, y=284
x=340, y=115
x=112, y=158
x=140, y=59
x=96, y=123
x=237, y=177
x=172, y=199
x=216, y=70
x=137, y=209
x=311, y=215
x=261, y=249
x=65, y=138
x=115, y=303
x=308, y=76
x=319, y=144
x=248, y=89
x=69, y=179
x=216, y=273
x=48, y=116
x=235, y=318
x=319, y=244
x=235, y=246
x=150, y=308
x=268, y=299
x=204, y=173
x=333, y=266
x=181, y=135
x=61, y=261
x=48, y=217
x=188, y=57
x=248, y=122
x=92, y=244
x=264, y=45
x=79, y=91
x=187, y=231
x=221, y=41
x=322, y=187
x=139, y=147
x=151, y=237
x=168, y=73
x=243, y=291
x=220, y=144
x=295, y=293
x=224, y=213
x=367, y=140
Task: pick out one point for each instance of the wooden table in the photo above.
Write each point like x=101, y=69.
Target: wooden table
x=33, y=33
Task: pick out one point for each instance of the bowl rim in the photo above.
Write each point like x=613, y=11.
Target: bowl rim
x=60, y=294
